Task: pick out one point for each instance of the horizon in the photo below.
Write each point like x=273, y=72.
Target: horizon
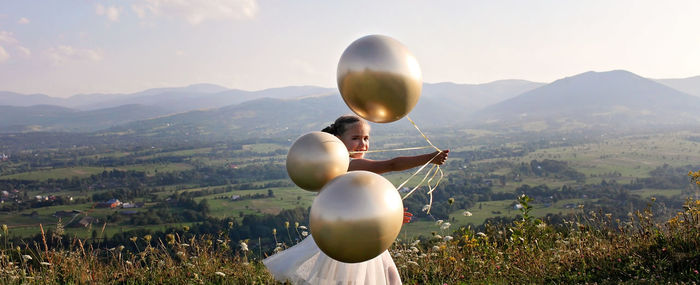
x=334, y=87
x=63, y=49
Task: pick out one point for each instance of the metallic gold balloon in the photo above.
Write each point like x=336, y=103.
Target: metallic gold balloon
x=356, y=216
x=316, y=158
x=379, y=79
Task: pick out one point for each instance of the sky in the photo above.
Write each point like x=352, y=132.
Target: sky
x=67, y=47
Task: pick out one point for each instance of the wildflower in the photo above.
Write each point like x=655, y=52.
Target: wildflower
x=278, y=249
x=467, y=214
x=414, y=249
x=415, y=242
x=411, y=262
x=186, y=228
x=398, y=254
x=220, y=273
x=27, y=257
x=244, y=246
x=426, y=208
x=44, y=263
x=304, y=233
x=133, y=239
x=296, y=224
x=451, y=201
x=286, y=224
x=302, y=227
x=180, y=253
x=4, y=228
x=541, y=225
x=437, y=237
x=147, y=238
x=184, y=244
x=439, y=222
x=436, y=248
x=423, y=255
x=274, y=231
x=170, y=238
x=483, y=235
x=447, y=238
x=121, y=247
x=230, y=225
x=445, y=226
x=128, y=262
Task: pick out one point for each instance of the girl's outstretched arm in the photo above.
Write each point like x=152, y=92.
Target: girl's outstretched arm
x=398, y=163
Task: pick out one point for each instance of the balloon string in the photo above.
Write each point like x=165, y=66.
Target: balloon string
x=385, y=150
x=435, y=169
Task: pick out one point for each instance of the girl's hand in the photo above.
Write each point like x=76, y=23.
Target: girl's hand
x=440, y=158
x=406, y=216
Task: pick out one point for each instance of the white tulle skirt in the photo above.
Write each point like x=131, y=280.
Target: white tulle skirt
x=305, y=263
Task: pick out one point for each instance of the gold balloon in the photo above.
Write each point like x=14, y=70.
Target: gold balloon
x=316, y=158
x=379, y=79
x=356, y=216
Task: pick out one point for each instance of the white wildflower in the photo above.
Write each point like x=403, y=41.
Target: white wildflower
x=220, y=273
x=184, y=244
x=445, y=226
x=426, y=208
x=467, y=214
x=415, y=242
x=303, y=227
x=541, y=226
x=244, y=246
x=447, y=238
x=304, y=233
x=44, y=263
x=180, y=253
x=128, y=262
x=27, y=257
x=398, y=254
x=439, y=222
x=423, y=255
x=414, y=249
x=278, y=249
x=436, y=248
x=411, y=262
x=437, y=237
x=483, y=235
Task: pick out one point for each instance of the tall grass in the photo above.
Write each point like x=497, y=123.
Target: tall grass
x=590, y=248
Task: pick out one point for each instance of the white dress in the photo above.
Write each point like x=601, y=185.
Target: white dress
x=305, y=263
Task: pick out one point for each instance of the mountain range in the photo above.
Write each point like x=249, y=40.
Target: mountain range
x=614, y=98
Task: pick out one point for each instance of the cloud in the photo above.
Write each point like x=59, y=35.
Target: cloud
x=64, y=53
x=6, y=37
x=111, y=12
x=195, y=12
x=3, y=55
x=23, y=21
x=24, y=50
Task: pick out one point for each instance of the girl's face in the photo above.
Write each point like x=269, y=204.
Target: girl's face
x=356, y=138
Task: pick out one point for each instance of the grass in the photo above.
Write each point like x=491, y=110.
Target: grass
x=586, y=249
x=56, y=173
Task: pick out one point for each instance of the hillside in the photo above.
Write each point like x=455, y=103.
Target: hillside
x=690, y=85
x=615, y=98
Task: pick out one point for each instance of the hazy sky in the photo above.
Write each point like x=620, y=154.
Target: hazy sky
x=66, y=47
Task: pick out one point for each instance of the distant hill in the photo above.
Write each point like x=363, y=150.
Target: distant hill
x=55, y=118
x=690, y=85
x=17, y=99
x=614, y=98
x=449, y=103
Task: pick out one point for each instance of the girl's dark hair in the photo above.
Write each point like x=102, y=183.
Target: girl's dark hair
x=341, y=124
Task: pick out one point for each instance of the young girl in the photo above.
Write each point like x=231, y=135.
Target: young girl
x=305, y=263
